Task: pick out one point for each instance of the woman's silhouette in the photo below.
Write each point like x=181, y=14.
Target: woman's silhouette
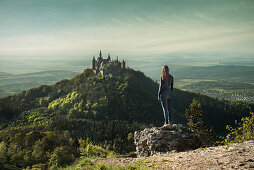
x=165, y=93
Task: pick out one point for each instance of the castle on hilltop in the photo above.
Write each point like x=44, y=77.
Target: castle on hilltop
x=101, y=65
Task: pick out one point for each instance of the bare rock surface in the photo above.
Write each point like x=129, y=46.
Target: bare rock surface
x=234, y=156
x=156, y=140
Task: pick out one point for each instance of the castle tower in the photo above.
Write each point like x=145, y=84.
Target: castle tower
x=109, y=57
x=93, y=63
x=100, y=55
x=123, y=64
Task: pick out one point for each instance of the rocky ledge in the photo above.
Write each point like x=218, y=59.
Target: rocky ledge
x=157, y=140
x=233, y=156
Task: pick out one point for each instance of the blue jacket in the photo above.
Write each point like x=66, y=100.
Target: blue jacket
x=166, y=87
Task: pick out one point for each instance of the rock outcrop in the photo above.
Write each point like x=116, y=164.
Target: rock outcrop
x=156, y=140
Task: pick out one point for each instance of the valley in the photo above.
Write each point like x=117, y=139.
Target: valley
x=231, y=82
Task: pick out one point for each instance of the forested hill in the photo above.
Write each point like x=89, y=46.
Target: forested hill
x=105, y=108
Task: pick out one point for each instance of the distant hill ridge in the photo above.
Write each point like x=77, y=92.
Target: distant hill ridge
x=132, y=98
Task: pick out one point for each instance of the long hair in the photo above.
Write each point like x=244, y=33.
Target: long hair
x=165, y=72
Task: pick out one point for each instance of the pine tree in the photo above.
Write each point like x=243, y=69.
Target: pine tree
x=194, y=116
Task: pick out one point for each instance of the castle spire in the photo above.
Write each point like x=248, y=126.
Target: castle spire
x=100, y=54
x=93, y=63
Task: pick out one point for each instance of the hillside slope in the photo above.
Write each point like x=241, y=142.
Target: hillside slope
x=105, y=109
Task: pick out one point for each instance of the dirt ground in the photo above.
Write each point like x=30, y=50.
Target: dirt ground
x=235, y=156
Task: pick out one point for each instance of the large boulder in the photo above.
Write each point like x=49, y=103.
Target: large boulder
x=156, y=140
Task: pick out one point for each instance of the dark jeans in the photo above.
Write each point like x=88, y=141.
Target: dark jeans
x=166, y=107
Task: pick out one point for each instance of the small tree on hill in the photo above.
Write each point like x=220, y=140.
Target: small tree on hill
x=194, y=116
x=244, y=130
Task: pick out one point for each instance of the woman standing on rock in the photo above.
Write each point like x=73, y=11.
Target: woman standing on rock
x=165, y=93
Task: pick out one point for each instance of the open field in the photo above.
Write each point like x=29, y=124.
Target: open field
x=220, y=89
x=11, y=84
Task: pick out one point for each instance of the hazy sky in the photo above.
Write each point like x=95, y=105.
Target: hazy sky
x=66, y=27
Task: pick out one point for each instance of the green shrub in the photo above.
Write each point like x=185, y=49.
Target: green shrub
x=3, y=152
x=243, y=131
x=85, y=162
x=90, y=150
x=60, y=157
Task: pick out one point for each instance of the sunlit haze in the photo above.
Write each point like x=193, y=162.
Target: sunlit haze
x=149, y=27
